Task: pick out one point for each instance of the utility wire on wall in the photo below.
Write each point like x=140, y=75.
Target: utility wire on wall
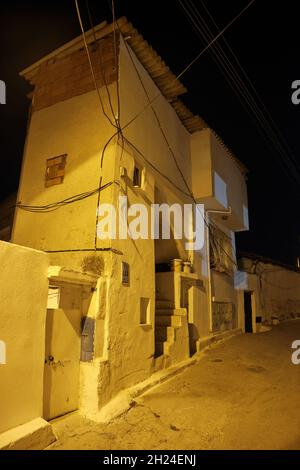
x=91, y=65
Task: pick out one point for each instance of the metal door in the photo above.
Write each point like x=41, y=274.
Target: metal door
x=62, y=354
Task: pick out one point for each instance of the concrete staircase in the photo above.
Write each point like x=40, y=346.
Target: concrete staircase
x=168, y=321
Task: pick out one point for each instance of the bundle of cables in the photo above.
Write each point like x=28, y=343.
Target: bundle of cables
x=70, y=200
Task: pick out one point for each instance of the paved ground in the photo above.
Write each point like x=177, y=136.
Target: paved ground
x=244, y=394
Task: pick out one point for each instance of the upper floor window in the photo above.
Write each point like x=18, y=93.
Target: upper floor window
x=55, y=170
x=137, y=177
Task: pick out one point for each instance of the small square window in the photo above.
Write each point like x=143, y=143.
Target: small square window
x=55, y=170
x=137, y=177
x=125, y=273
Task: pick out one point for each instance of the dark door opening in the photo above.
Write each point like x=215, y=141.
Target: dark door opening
x=248, y=312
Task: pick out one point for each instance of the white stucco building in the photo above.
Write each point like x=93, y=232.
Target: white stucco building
x=116, y=311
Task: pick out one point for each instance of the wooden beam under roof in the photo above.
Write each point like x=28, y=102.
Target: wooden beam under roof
x=167, y=82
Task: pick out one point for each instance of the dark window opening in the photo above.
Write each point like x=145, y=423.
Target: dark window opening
x=137, y=177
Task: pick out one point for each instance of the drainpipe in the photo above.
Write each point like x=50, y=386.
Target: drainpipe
x=207, y=212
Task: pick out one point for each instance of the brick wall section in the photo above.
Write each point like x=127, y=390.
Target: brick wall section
x=61, y=78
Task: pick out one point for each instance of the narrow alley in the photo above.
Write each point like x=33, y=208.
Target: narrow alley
x=243, y=394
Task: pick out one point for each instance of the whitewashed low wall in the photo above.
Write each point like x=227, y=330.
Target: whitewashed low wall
x=23, y=303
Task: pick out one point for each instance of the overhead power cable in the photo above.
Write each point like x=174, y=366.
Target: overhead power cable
x=250, y=82
x=101, y=64
x=264, y=123
x=91, y=65
x=188, y=66
x=54, y=206
x=215, y=39
x=165, y=138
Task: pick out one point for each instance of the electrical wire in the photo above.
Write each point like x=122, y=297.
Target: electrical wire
x=141, y=154
x=119, y=131
x=57, y=204
x=215, y=39
x=90, y=64
x=116, y=124
x=116, y=58
x=190, y=193
x=251, y=84
x=189, y=65
x=101, y=64
x=262, y=124
x=70, y=200
x=112, y=5
x=158, y=121
x=239, y=87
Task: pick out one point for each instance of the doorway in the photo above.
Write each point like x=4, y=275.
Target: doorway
x=62, y=354
x=248, y=311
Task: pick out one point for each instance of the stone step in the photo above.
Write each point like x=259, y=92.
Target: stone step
x=168, y=320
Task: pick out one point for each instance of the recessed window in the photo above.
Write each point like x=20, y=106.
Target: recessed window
x=144, y=311
x=137, y=177
x=55, y=170
x=125, y=273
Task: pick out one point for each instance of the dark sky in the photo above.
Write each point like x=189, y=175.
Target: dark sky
x=266, y=41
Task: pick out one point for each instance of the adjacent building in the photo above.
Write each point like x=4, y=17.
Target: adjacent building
x=271, y=291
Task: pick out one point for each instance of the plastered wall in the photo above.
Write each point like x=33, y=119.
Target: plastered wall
x=23, y=302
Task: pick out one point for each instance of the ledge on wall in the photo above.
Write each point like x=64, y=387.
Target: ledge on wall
x=59, y=273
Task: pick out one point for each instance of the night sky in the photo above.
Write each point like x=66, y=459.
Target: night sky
x=266, y=41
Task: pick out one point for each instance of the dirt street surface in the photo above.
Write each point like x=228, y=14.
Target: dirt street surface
x=243, y=394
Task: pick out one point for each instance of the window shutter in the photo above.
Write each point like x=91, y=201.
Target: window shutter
x=55, y=170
